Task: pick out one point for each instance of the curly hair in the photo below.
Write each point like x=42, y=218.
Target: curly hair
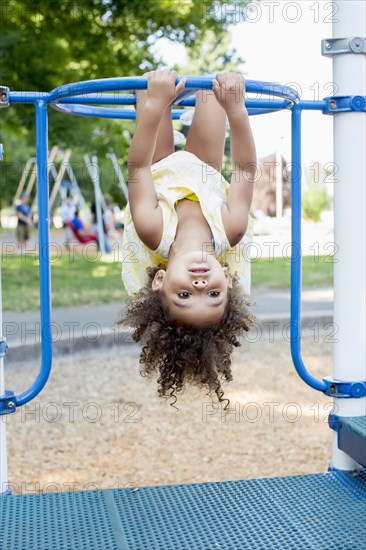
x=180, y=354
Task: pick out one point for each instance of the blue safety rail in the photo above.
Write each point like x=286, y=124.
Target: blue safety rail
x=95, y=92
x=320, y=512
x=86, y=98
x=296, y=249
x=335, y=388
x=351, y=436
x=10, y=401
x=82, y=89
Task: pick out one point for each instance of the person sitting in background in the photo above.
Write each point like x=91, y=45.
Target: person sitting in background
x=79, y=226
x=67, y=214
x=24, y=215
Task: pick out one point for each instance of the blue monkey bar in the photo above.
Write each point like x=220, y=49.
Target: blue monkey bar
x=85, y=98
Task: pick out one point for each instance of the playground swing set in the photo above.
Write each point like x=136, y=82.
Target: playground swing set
x=317, y=511
x=59, y=166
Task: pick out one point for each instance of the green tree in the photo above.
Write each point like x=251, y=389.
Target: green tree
x=45, y=44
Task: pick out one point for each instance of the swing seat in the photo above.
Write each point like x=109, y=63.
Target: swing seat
x=80, y=239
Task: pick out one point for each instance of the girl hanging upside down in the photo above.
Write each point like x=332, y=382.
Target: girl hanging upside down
x=187, y=233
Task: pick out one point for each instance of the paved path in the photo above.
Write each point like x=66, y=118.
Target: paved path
x=76, y=328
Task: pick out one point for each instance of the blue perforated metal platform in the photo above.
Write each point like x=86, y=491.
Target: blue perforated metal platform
x=320, y=512
x=352, y=437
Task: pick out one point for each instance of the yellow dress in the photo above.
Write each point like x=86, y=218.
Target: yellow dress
x=178, y=176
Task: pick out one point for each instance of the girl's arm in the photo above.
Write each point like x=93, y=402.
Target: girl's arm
x=243, y=158
x=146, y=215
x=140, y=183
x=229, y=91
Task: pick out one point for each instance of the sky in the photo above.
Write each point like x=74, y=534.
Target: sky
x=281, y=42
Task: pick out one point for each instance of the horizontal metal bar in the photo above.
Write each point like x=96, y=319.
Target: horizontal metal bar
x=130, y=99
x=311, y=105
x=140, y=83
x=27, y=97
x=85, y=109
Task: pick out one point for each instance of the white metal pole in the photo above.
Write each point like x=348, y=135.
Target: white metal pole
x=94, y=174
x=3, y=450
x=23, y=179
x=119, y=174
x=50, y=163
x=349, y=75
x=77, y=191
x=60, y=175
x=98, y=204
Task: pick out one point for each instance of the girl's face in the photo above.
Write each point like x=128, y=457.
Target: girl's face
x=193, y=292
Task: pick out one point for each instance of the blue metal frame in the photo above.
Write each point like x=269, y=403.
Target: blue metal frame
x=44, y=264
x=10, y=401
x=76, y=99
x=342, y=388
x=296, y=253
x=83, y=108
x=329, y=386
x=344, y=104
x=193, y=84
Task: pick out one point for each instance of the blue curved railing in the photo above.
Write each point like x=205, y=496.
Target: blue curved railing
x=75, y=99
x=296, y=254
x=44, y=256
x=140, y=83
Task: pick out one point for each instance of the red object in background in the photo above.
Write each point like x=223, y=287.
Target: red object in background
x=81, y=239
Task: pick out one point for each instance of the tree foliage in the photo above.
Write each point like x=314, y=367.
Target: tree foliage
x=45, y=44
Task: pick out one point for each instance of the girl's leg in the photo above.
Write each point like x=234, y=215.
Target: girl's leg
x=206, y=135
x=165, y=139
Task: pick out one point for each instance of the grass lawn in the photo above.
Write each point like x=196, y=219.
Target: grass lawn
x=76, y=281
x=275, y=272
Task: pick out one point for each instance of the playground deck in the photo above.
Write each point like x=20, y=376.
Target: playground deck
x=319, y=511
x=352, y=437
